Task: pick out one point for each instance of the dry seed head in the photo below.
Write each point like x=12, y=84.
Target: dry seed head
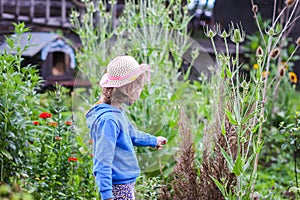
x=254, y=8
x=289, y=2
x=298, y=41
x=281, y=71
x=275, y=53
x=259, y=52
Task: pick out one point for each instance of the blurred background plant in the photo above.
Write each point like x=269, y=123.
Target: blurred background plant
x=13, y=193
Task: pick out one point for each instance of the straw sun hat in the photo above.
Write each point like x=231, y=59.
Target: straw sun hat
x=121, y=71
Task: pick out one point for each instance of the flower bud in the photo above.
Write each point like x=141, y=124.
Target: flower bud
x=271, y=32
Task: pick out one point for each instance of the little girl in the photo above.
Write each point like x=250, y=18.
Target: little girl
x=115, y=163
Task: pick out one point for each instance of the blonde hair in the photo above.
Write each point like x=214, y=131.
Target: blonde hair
x=123, y=94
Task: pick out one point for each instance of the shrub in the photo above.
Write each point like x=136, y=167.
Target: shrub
x=18, y=100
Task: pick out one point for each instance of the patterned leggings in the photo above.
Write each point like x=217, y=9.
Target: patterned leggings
x=124, y=191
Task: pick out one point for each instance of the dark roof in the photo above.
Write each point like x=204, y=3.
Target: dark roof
x=37, y=41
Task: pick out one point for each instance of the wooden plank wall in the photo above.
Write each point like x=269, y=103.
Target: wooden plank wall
x=45, y=12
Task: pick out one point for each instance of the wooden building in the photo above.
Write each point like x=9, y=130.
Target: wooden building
x=52, y=54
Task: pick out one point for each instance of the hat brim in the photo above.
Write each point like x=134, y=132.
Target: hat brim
x=106, y=82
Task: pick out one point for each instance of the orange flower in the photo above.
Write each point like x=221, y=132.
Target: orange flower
x=54, y=124
x=255, y=66
x=45, y=115
x=68, y=123
x=73, y=159
x=264, y=74
x=35, y=123
x=57, y=138
x=293, y=77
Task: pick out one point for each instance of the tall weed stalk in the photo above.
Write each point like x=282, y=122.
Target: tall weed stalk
x=234, y=138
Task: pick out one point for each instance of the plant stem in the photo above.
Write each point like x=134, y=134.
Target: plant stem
x=259, y=28
x=295, y=167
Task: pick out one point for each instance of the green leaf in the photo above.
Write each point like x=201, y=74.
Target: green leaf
x=245, y=119
x=245, y=167
x=223, y=128
x=6, y=154
x=228, y=72
x=219, y=185
x=228, y=159
x=179, y=92
x=230, y=117
x=238, y=167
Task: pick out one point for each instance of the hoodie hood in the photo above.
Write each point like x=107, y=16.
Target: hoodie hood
x=99, y=110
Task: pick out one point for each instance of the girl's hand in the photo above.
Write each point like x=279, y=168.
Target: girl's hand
x=160, y=142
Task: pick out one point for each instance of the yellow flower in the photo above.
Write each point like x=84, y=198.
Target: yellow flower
x=255, y=66
x=293, y=77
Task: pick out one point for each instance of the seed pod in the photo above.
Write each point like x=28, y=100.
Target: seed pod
x=281, y=71
x=275, y=53
x=289, y=3
x=254, y=8
x=298, y=41
x=259, y=52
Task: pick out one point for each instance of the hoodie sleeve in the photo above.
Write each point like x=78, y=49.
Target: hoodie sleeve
x=140, y=138
x=105, y=137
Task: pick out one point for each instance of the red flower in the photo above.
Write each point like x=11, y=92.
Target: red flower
x=91, y=155
x=73, y=159
x=54, y=124
x=90, y=141
x=45, y=115
x=35, y=123
x=68, y=123
x=57, y=138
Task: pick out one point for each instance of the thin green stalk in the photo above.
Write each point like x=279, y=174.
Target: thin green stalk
x=295, y=166
x=2, y=171
x=215, y=50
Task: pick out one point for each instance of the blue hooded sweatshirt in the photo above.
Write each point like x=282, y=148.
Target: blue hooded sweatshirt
x=115, y=161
